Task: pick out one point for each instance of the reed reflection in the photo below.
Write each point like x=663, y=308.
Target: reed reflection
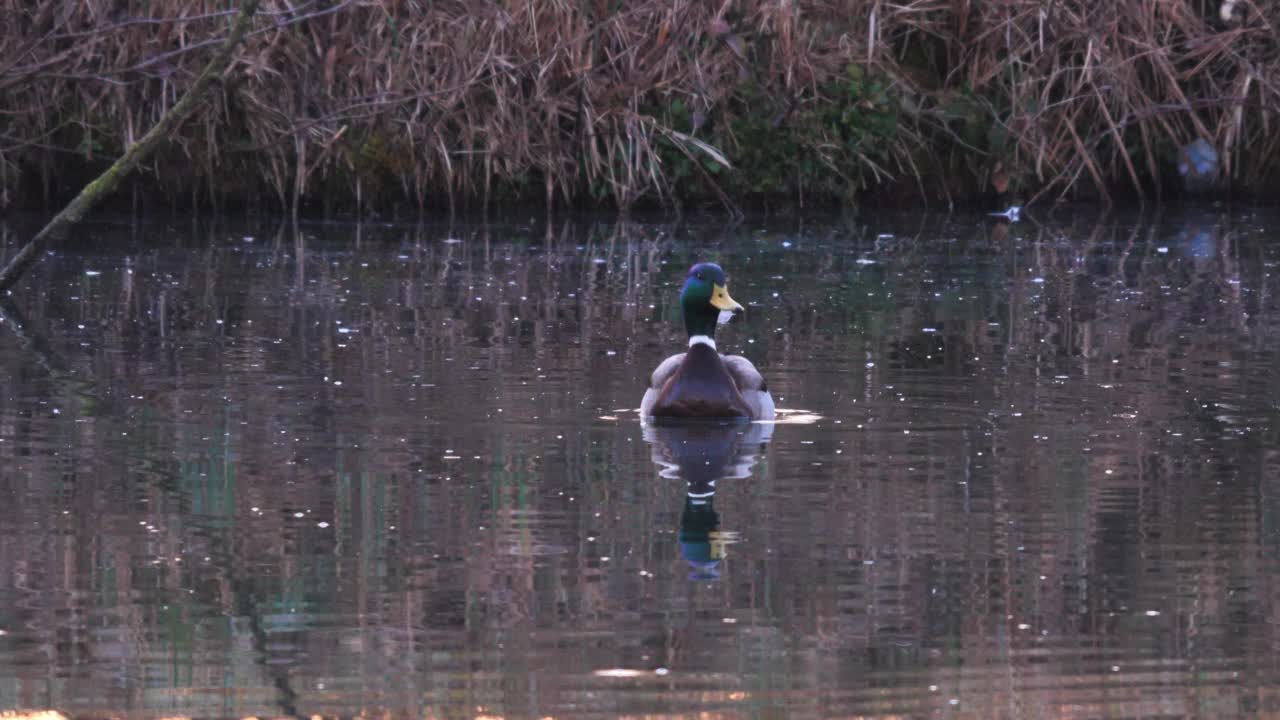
x=283, y=477
x=700, y=454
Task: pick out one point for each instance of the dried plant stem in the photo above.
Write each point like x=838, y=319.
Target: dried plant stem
x=383, y=105
x=57, y=228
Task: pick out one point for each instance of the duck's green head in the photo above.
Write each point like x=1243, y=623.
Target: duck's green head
x=705, y=294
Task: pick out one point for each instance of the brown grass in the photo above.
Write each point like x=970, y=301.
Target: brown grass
x=385, y=102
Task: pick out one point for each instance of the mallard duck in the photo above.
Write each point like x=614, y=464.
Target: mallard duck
x=702, y=383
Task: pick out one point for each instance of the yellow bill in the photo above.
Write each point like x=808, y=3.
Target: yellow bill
x=720, y=299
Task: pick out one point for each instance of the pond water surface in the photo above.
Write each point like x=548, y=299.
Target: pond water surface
x=1026, y=471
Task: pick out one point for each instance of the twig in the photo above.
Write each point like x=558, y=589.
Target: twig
x=29, y=70
x=137, y=153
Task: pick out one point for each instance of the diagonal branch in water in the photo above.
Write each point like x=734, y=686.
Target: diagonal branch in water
x=11, y=318
x=137, y=153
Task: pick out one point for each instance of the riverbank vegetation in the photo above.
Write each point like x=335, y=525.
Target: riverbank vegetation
x=396, y=106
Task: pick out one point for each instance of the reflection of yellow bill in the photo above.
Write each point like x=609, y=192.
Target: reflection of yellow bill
x=720, y=542
x=721, y=301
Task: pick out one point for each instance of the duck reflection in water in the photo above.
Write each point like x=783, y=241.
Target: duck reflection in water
x=700, y=454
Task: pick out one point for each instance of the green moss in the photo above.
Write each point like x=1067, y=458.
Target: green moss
x=817, y=147
x=378, y=159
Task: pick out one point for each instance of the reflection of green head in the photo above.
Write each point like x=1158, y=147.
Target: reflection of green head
x=698, y=523
x=705, y=294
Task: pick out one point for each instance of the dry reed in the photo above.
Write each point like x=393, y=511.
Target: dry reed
x=375, y=103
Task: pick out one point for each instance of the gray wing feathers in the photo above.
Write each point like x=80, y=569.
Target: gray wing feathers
x=665, y=371
x=656, y=381
x=744, y=373
x=647, y=402
x=752, y=386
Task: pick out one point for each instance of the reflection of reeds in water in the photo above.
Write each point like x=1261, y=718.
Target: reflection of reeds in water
x=1063, y=431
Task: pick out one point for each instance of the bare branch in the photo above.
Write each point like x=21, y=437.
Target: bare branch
x=138, y=153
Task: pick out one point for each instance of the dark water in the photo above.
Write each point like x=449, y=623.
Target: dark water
x=397, y=472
